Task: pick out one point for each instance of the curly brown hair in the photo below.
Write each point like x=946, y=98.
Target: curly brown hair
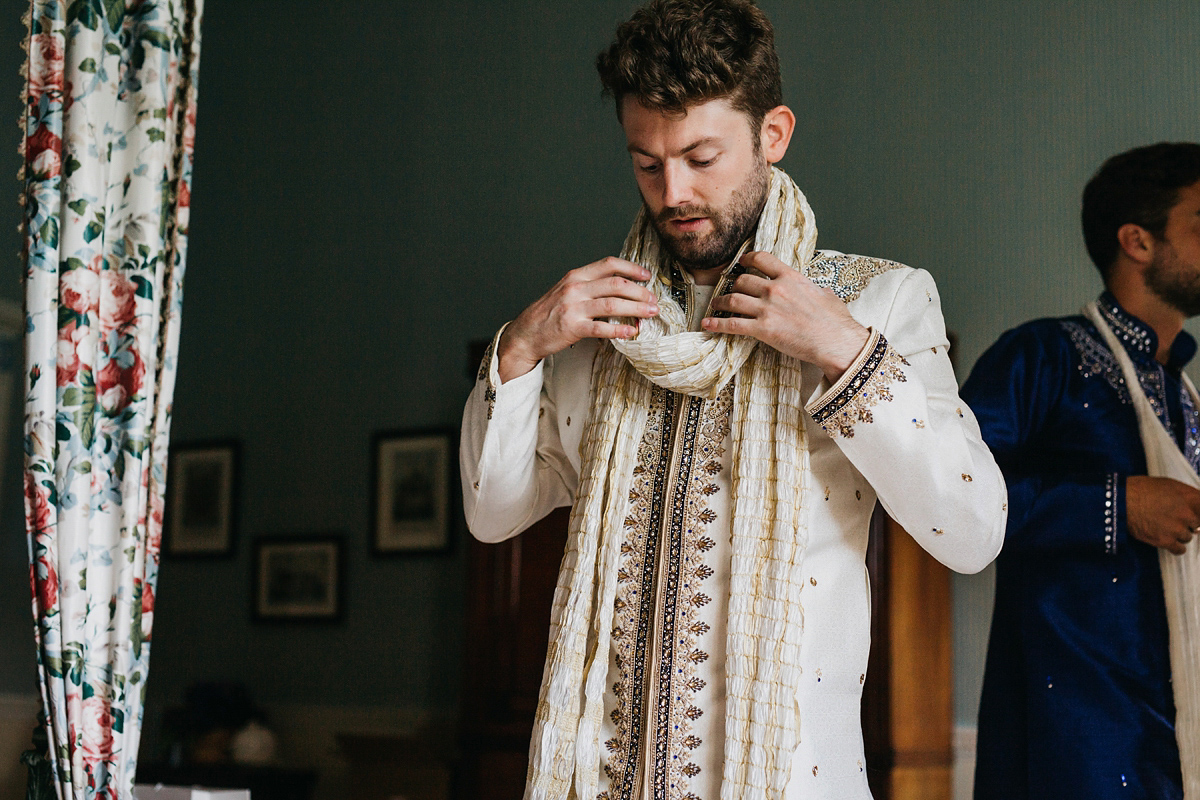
x=674, y=54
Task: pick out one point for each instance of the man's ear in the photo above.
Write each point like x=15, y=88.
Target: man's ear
x=776, y=133
x=1136, y=242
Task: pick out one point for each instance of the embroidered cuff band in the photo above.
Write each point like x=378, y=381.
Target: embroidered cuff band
x=865, y=383
x=489, y=371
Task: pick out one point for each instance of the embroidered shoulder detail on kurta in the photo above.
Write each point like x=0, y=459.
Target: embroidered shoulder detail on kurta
x=864, y=386
x=847, y=276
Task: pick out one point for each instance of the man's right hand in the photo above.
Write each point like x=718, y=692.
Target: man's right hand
x=1161, y=511
x=576, y=308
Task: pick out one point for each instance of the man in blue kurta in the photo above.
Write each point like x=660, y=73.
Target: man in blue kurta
x=1077, y=696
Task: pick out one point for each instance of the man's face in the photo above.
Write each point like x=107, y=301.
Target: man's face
x=1174, y=274
x=702, y=177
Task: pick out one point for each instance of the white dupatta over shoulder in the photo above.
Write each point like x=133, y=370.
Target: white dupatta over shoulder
x=1180, y=573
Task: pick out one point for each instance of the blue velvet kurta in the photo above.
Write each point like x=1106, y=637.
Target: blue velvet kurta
x=1077, y=699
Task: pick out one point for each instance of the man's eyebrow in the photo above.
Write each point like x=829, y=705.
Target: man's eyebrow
x=698, y=143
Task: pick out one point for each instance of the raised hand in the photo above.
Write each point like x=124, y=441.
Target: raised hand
x=1161, y=511
x=789, y=312
x=577, y=307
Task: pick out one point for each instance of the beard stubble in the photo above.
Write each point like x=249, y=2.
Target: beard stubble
x=732, y=225
x=1173, y=281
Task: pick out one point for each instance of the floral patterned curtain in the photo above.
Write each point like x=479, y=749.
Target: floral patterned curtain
x=109, y=132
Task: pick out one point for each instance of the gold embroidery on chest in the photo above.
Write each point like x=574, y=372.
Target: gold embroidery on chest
x=667, y=535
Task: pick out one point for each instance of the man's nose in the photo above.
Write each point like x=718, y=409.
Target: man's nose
x=677, y=186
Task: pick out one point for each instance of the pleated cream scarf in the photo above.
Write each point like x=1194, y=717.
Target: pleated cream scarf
x=770, y=467
x=1180, y=574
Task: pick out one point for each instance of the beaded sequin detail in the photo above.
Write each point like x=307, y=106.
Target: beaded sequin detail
x=1111, y=487
x=1095, y=359
x=847, y=276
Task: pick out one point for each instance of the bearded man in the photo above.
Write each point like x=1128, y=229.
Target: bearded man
x=721, y=406
x=1094, y=644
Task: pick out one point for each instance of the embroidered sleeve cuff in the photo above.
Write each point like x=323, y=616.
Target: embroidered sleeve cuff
x=489, y=371
x=517, y=394
x=864, y=385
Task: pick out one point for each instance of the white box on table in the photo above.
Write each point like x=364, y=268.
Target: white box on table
x=160, y=792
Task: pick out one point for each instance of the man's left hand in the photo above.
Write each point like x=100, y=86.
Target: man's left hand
x=789, y=312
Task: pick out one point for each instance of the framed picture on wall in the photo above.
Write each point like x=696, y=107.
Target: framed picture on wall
x=200, y=504
x=298, y=578
x=412, y=491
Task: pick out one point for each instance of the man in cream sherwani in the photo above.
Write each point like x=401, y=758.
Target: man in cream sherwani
x=721, y=406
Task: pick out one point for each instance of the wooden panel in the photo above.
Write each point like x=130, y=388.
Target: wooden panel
x=921, y=680
x=921, y=783
x=510, y=590
x=922, y=661
x=908, y=699
x=511, y=587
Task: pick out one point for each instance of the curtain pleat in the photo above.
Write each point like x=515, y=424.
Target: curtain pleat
x=109, y=136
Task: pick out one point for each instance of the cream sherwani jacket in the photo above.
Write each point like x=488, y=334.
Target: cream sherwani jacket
x=892, y=428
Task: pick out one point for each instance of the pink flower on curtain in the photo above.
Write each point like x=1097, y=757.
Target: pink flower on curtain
x=48, y=163
x=154, y=542
x=97, y=731
x=39, y=513
x=79, y=290
x=48, y=77
x=118, y=299
x=185, y=196
x=45, y=585
x=147, y=599
x=69, y=337
x=116, y=384
x=48, y=586
x=44, y=151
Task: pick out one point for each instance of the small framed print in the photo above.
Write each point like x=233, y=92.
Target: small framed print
x=298, y=578
x=200, y=508
x=412, y=492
